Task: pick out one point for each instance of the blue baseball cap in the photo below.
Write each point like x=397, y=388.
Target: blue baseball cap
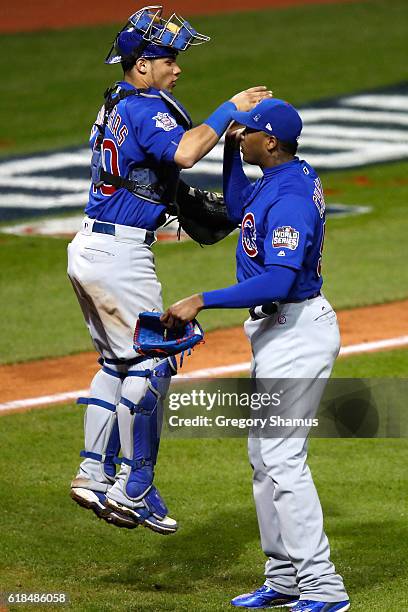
x=273, y=116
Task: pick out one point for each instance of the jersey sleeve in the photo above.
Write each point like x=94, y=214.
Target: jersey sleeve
x=159, y=133
x=289, y=232
x=236, y=185
x=274, y=284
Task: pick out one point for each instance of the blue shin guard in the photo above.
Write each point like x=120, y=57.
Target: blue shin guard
x=140, y=417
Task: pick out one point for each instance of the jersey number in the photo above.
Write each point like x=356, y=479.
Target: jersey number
x=110, y=162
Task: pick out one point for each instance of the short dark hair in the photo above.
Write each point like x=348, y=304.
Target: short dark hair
x=288, y=147
x=127, y=63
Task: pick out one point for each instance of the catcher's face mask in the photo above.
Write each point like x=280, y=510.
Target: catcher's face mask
x=148, y=34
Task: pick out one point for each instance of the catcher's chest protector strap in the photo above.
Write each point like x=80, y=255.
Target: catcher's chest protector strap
x=112, y=98
x=150, y=189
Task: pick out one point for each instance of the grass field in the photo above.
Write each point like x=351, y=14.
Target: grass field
x=50, y=544
x=59, y=106
x=40, y=300
x=53, y=81
x=52, y=85
x=384, y=364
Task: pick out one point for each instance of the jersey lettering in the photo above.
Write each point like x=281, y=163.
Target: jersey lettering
x=123, y=132
x=319, y=263
x=318, y=197
x=114, y=124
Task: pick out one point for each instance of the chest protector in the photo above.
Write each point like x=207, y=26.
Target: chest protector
x=158, y=185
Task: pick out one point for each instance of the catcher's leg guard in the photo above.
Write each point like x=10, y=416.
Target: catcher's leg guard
x=97, y=470
x=140, y=419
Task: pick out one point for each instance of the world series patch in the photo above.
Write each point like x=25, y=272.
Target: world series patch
x=285, y=237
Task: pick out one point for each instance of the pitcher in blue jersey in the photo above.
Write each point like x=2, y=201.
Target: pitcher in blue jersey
x=294, y=336
x=141, y=139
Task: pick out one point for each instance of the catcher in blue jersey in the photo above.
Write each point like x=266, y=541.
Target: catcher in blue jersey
x=141, y=139
x=294, y=338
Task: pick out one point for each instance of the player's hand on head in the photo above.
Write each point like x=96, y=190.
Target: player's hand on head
x=233, y=135
x=246, y=100
x=183, y=311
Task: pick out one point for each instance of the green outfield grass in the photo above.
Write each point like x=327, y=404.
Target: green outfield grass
x=53, y=81
x=383, y=364
x=364, y=263
x=52, y=102
x=51, y=87
x=49, y=544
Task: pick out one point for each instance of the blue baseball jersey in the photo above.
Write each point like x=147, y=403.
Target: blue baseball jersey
x=283, y=223
x=141, y=132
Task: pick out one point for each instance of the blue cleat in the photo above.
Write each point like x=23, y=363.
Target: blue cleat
x=265, y=597
x=307, y=605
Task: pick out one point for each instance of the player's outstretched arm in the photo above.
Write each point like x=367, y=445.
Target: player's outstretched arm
x=200, y=140
x=272, y=285
x=183, y=310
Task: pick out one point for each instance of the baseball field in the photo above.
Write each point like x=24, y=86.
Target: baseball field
x=319, y=56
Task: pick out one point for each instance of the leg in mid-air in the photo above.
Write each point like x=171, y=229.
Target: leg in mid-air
x=111, y=298
x=141, y=139
x=97, y=471
x=140, y=413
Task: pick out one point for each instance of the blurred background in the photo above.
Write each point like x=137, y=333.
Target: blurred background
x=344, y=66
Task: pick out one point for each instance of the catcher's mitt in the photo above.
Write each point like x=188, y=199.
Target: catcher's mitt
x=154, y=340
x=202, y=214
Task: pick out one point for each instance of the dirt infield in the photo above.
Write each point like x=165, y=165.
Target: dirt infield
x=57, y=14
x=223, y=347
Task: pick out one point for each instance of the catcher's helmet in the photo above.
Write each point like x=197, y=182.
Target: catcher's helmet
x=148, y=34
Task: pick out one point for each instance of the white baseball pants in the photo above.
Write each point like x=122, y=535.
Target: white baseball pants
x=115, y=279
x=300, y=342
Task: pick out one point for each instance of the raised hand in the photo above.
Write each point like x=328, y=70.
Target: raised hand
x=246, y=100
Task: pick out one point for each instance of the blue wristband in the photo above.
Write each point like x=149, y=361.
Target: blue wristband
x=220, y=119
